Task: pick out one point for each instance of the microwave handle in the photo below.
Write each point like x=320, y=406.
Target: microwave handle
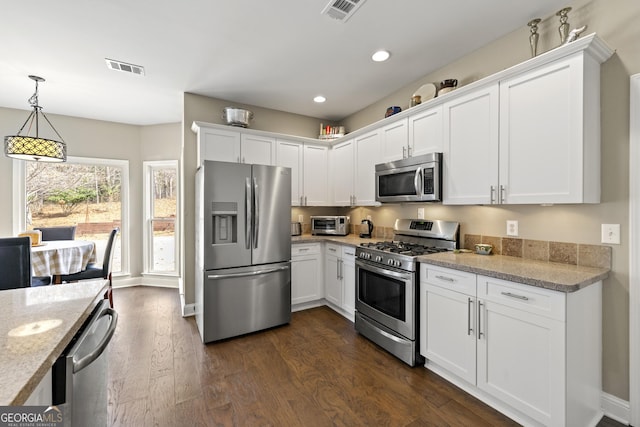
x=418, y=182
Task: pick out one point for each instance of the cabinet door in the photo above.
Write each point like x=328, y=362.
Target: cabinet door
x=259, y=150
x=332, y=282
x=425, y=132
x=367, y=156
x=289, y=154
x=306, y=274
x=521, y=361
x=447, y=330
x=348, y=271
x=471, y=148
x=219, y=145
x=395, y=139
x=541, y=135
x=342, y=173
x=316, y=175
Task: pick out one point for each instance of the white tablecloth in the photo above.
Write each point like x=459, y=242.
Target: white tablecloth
x=56, y=257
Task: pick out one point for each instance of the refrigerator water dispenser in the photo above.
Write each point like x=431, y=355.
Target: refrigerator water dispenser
x=224, y=216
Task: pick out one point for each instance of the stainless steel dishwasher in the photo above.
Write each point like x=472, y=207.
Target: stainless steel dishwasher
x=80, y=373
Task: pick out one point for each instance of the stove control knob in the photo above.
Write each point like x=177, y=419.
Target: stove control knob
x=390, y=262
x=398, y=264
x=368, y=256
x=379, y=258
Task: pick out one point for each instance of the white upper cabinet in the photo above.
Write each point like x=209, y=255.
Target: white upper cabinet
x=342, y=157
x=471, y=147
x=316, y=175
x=368, y=148
x=257, y=149
x=290, y=154
x=395, y=141
x=550, y=133
x=218, y=144
x=425, y=132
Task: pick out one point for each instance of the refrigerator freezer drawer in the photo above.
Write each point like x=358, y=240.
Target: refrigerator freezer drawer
x=238, y=301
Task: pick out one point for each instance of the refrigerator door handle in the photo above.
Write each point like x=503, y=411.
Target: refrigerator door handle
x=256, y=206
x=247, y=213
x=102, y=345
x=251, y=273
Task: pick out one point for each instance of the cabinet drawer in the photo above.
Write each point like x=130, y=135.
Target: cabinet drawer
x=448, y=278
x=300, y=249
x=333, y=249
x=348, y=252
x=534, y=300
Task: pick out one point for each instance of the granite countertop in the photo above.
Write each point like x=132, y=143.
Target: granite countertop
x=349, y=239
x=58, y=311
x=548, y=275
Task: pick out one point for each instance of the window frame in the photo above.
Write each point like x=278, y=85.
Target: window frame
x=20, y=206
x=149, y=167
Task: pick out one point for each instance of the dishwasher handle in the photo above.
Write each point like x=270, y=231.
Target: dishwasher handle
x=102, y=345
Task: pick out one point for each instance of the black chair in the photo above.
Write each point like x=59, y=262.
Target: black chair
x=57, y=233
x=97, y=271
x=15, y=264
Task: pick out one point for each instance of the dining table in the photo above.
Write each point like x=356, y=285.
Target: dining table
x=61, y=257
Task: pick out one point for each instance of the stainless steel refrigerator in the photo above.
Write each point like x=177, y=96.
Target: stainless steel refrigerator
x=243, y=248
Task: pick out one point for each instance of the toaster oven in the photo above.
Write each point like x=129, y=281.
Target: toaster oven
x=338, y=225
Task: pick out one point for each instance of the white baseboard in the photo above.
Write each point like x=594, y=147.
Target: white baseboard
x=616, y=408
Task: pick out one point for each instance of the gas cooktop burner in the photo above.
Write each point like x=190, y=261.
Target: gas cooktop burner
x=402, y=248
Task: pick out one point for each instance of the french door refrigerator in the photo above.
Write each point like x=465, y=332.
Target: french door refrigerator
x=243, y=248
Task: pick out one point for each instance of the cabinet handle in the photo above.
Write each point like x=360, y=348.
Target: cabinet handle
x=243, y=160
x=409, y=151
x=509, y=294
x=404, y=149
x=492, y=194
x=445, y=278
x=238, y=159
x=469, y=304
x=305, y=200
x=480, y=333
x=341, y=269
x=303, y=249
x=502, y=190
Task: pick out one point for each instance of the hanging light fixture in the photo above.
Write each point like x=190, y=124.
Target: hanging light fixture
x=27, y=147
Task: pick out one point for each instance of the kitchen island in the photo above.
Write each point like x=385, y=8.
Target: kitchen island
x=36, y=325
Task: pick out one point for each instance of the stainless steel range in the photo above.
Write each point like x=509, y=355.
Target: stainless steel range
x=387, y=283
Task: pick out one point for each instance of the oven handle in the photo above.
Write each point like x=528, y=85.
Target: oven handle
x=383, y=271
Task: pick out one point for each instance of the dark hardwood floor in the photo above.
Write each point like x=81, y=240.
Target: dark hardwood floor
x=317, y=371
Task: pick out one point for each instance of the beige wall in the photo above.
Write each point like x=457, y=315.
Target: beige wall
x=98, y=139
x=616, y=23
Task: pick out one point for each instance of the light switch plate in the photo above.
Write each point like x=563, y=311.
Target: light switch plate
x=300, y=219
x=512, y=228
x=420, y=213
x=611, y=234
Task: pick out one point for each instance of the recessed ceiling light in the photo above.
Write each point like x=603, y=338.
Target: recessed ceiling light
x=380, y=56
x=319, y=99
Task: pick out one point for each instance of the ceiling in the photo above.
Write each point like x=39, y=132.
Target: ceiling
x=276, y=54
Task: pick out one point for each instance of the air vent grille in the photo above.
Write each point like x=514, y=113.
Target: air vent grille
x=124, y=67
x=342, y=10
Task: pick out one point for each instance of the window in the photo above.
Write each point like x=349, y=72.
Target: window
x=88, y=193
x=161, y=237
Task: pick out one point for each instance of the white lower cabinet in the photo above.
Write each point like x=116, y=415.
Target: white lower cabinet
x=340, y=278
x=306, y=273
x=532, y=353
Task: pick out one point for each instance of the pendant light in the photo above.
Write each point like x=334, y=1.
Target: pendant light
x=27, y=147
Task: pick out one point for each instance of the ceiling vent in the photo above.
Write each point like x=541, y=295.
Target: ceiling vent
x=124, y=67
x=342, y=9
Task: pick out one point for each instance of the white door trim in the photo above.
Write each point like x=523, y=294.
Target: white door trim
x=634, y=250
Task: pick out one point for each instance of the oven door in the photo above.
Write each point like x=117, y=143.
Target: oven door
x=387, y=296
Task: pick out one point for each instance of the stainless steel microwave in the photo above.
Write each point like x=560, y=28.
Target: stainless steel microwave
x=415, y=179
x=336, y=225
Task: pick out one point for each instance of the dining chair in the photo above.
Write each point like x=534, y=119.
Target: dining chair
x=57, y=233
x=15, y=264
x=97, y=271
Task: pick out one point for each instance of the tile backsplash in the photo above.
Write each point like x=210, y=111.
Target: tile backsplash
x=542, y=250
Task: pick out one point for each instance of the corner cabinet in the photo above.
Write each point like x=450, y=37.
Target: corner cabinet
x=532, y=353
x=529, y=134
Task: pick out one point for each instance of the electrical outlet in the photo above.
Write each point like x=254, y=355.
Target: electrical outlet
x=300, y=219
x=611, y=234
x=420, y=213
x=512, y=228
